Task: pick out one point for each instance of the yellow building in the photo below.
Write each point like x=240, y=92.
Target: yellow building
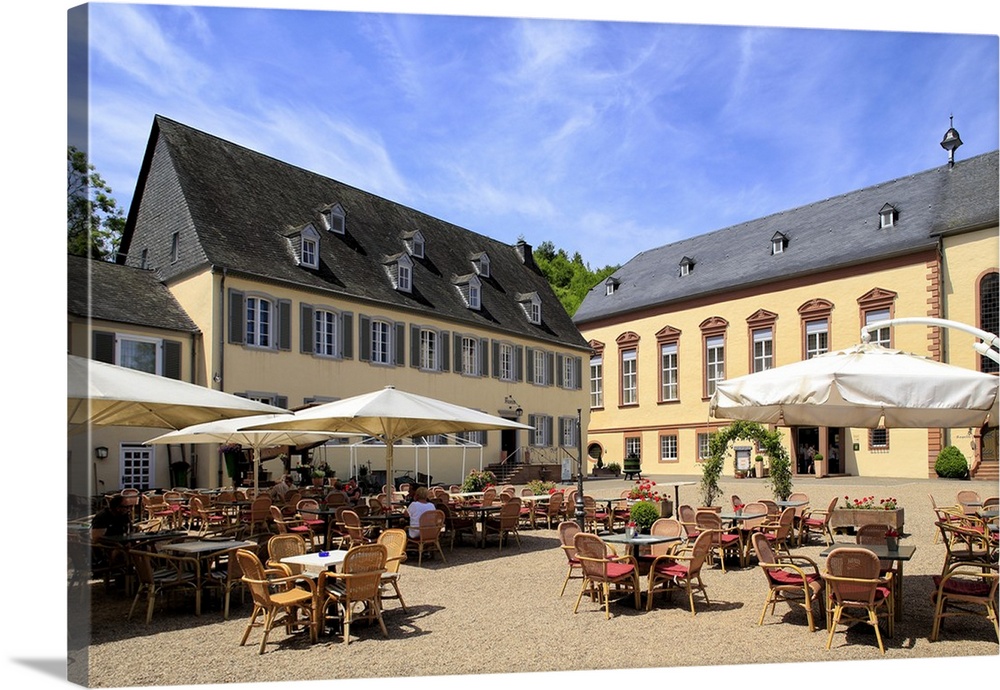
x=302, y=289
x=675, y=320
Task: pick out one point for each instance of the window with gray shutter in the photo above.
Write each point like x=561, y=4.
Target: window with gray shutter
x=496, y=359
x=484, y=353
x=306, y=327
x=550, y=365
x=236, y=316
x=172, y=359
x=457, y=352
x=347, y=335
x=400, y=344
x=364, y=338
x=103, y=347
x=519, y=363
x=414, y=346
x=284, y=324
x=446, y=351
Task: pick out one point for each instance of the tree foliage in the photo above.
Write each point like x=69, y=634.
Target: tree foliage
x=94, y=222
x=571, y=279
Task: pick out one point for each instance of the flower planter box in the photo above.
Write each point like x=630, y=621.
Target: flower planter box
x=843, y=518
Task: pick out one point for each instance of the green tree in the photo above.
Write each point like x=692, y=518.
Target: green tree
x=571, y=279
x=94, y=222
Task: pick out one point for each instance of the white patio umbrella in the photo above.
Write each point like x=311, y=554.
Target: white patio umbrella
x=229, y=431
x=390, y=415
x=102, y=394
x=860, y=387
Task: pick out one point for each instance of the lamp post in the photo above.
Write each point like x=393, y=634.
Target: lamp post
x=579, y=470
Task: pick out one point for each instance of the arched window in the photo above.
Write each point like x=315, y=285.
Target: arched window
x=989, y=314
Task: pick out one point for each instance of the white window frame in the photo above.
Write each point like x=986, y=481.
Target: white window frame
x=817, y=337
x=418, y=245
x=506, y=367
x=404, y=274
x=335, y=219
x=882, y=336
x=470, y=356
x=887, y=218
x=540, y=377
x=597, y=381
x=685, y=269
x=715, y=362
x=569, y=432
x=430, y=349
x=475, y=293
x=258, y=322
x=136, y=465
x=483, y=266
x=704, y=451
x=569, y=373
x=127, y=339
x=533, y=309
x=777, y=245
x=310, y=252
x=633, y=445
x=763, y=349
x=326, y=327
x=381, y=342
x=630, y=377
x=541, y=424
x=669, y=385
x=668, y=448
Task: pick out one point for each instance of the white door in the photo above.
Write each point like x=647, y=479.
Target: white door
x=136, y=466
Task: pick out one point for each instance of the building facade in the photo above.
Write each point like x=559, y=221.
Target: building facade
x=675, y=320
x=305, y=290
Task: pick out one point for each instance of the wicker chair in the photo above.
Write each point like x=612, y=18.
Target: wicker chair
x=430, y=529
x=258, y=518
x=800, y=513
x=157, y=572
x=779, y=532
x=662, y=527
x=772, y=508
x=282, y=546
x=875, y=534
x=853, y=583
x=287, y=525
x=206, y=519
x=289, y=600
x=787, y=579
x=818, y=521
x=686, y=514
x=674, y=571
x=963, y=586
x=602, y=571
x=358, y=582
x=592, y=516
x=394, y=541
x=551, y=511
x=355, y=532
x=457, y=525
x=505, y=523
x=567, y=531
x=721, y=541
x=969, y=501
x=963, y=544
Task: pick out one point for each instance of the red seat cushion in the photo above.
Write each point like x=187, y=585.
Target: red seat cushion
x=672, y=570
x=728, y=539
x=785, y=577
x=616, y=570
x=963, y=586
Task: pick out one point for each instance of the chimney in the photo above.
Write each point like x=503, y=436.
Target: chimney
x=524, y=251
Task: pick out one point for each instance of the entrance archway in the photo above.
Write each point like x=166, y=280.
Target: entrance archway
x=779, y=478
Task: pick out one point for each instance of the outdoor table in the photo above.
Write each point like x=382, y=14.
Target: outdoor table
x=638, y=541
x=314, y=563
x=901, y=554
x=791, y=504
x=481, y=513
x=386, y=519
x=203, y=550
x=677, y=494
x=988, y=514
x=327, y=514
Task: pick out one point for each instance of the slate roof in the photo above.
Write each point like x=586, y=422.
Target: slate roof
x=836, y=232
x=240, y=206
x=122, y=294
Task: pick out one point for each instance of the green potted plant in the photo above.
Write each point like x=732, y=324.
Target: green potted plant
x=759, y=466
x=951, y=464
x=819, y=465
x=644, y=514
x=318, y=475
x=614, y=468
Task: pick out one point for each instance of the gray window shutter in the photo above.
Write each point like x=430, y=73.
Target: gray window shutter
x=531, y=432
x=484, y=355
x=559, y=370
x=103, y=348
x=236, y=317
x=172, y=359
x=445, y=338
x=284, y=324
x=548, y=431
x=550, y=365
x=306, y=328
x=519, y=363
x=562, y=430
x=414, y=346
x=496, y=359
x=457, y=352
x=529, y=363
x=347, y=335
x=364, y=338
x=281, y=401
x=400, y=344
x=578, y=372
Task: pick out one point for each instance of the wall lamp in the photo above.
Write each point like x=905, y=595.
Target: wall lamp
x=512, y=404
x=101, y=452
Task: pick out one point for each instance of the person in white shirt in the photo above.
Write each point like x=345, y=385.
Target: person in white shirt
x=279, y=490
x=419, y=506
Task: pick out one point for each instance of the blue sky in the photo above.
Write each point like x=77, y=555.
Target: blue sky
x=603, y=137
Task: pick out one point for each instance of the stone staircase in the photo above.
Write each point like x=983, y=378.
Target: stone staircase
x=987, y=471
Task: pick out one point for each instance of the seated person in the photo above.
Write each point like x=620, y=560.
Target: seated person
x=278, y=491
x=353, y=491
x=112, y=521
x=418, y=507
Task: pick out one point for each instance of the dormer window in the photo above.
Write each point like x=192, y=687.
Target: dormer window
x=686, y=265
x=481, y=264
x=471, y=289
x=778, y=243
x=532, y=306
x=334, y=219
x=887, y=216
x=309, y=247
x=611, y=286
x=400, y=269
x=414, y=242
